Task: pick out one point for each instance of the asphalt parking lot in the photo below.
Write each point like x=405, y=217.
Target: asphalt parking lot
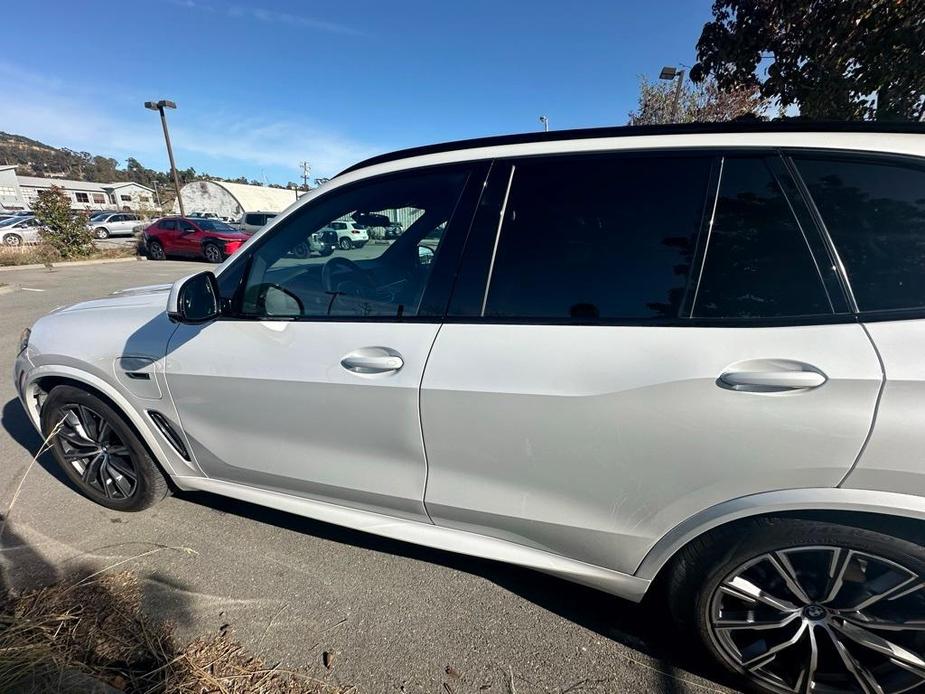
x=398, y=618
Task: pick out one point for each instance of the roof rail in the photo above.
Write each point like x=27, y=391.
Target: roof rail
x=742, y=126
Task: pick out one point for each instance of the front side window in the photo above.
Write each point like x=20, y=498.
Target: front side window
x=299, y=270
x=874, y=210
x=169, y=224
x=757, y=262
x=598, y=237
x=257, y=220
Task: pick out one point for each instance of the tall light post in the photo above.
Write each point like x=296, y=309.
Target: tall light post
x=159, y=106
x=671, y=73
x=545, y=121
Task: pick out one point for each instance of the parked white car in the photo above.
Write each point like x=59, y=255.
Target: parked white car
x=349, y=233
x=20, y=230
x=106, y=224
x=677, y=361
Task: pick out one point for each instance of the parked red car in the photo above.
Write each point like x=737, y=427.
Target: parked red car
x=211, y=239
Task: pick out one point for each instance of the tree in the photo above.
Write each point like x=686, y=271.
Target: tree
x=65, y=230
x=697, y=103
x=833, y=59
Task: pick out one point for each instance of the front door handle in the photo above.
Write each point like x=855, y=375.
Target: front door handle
x=372, y=360
x=772, y=381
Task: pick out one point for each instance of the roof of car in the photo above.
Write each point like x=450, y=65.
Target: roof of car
x=744, y=126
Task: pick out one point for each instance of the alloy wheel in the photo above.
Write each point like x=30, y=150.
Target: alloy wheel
x=94, y=450
x=823, y=620
x=12, y=240
x=156, y=251
x=346, y=244
x=213, y=254
x=102, y=234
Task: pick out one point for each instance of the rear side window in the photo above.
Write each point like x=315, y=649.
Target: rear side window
x=256, y=219
x=874, y=210
x=609, y=237
x=757, y=263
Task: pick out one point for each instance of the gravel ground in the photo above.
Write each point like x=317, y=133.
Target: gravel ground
x=397, y=618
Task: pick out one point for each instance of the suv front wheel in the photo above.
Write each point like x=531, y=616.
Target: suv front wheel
x=795, y=605
x=99, y=452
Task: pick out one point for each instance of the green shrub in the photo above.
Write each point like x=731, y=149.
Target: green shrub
x=64, y=229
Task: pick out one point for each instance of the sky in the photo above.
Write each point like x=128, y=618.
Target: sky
x=261, y=87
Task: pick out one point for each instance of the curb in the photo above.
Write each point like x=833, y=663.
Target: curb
x=100, y=261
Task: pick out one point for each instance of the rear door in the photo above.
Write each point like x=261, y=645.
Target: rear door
x=873, y=209
x=168, y=234
x=642, y=336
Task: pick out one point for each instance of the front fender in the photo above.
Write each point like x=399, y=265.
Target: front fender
x=786, y=500
x=172, y=463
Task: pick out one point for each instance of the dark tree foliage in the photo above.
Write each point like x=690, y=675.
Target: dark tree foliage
x=833, y=59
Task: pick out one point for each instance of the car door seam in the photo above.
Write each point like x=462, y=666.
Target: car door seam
x=873, y=419
x=421, y=424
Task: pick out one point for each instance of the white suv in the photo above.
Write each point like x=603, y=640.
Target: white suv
x=349, y=233
x=684, y=362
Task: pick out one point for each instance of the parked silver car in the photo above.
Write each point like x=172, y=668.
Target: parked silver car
x=684, y=362
x=106, y=224
x=20, y=230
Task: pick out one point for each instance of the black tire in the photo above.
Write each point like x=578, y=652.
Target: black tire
x=345, y=243
x=212, y=253
x=120, y=492
x=101, y=233
x=326, y=252
x=301, y=250
x=741, y=552
x=12, y=240
x=155, y=251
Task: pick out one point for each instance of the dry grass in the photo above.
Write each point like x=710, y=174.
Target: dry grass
x=42, y=254
x=82, y=634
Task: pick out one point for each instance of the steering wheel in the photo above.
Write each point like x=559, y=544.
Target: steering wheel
x=339, y=265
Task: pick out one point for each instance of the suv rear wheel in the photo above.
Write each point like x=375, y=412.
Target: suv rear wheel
x=345, y=243
x=804, y=606
x=99, y=452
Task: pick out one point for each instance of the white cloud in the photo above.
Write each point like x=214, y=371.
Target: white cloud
x=209, y=138
x=268, y=16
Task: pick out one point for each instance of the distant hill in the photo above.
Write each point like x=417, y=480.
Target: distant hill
x=34, y=158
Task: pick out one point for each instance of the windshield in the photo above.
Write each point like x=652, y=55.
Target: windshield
x=11, y=221
x=214, y=225
x=99, y=216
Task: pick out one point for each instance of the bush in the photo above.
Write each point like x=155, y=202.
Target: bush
x=65, y=230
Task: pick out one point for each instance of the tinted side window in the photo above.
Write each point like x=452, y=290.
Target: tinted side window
x=592, y=237
x=757, y=262
x=875, y=214
x=256, y=219
x=169, y=224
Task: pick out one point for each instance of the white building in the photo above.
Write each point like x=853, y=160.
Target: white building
x=232, y=200
x=20, y=192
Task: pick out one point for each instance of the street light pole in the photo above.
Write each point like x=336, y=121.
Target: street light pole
x=159, y=106
x=545, y=121
x=671, y=73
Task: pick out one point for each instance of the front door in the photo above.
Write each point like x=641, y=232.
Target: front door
x=188, y=239
x=311, y=385
x=604, y=389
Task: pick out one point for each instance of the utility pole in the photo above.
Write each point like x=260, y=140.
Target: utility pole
x=306, y=172
x=159, y=106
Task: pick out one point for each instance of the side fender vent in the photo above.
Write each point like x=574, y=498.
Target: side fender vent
x=163, y=425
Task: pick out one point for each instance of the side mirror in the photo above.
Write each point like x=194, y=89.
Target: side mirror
x=194, y=299
x=425, y=255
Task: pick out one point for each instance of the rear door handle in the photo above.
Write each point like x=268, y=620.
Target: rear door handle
x=773, y=380
x=372, y=360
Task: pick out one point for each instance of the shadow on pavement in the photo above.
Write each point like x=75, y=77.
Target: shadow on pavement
x=645, y=628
